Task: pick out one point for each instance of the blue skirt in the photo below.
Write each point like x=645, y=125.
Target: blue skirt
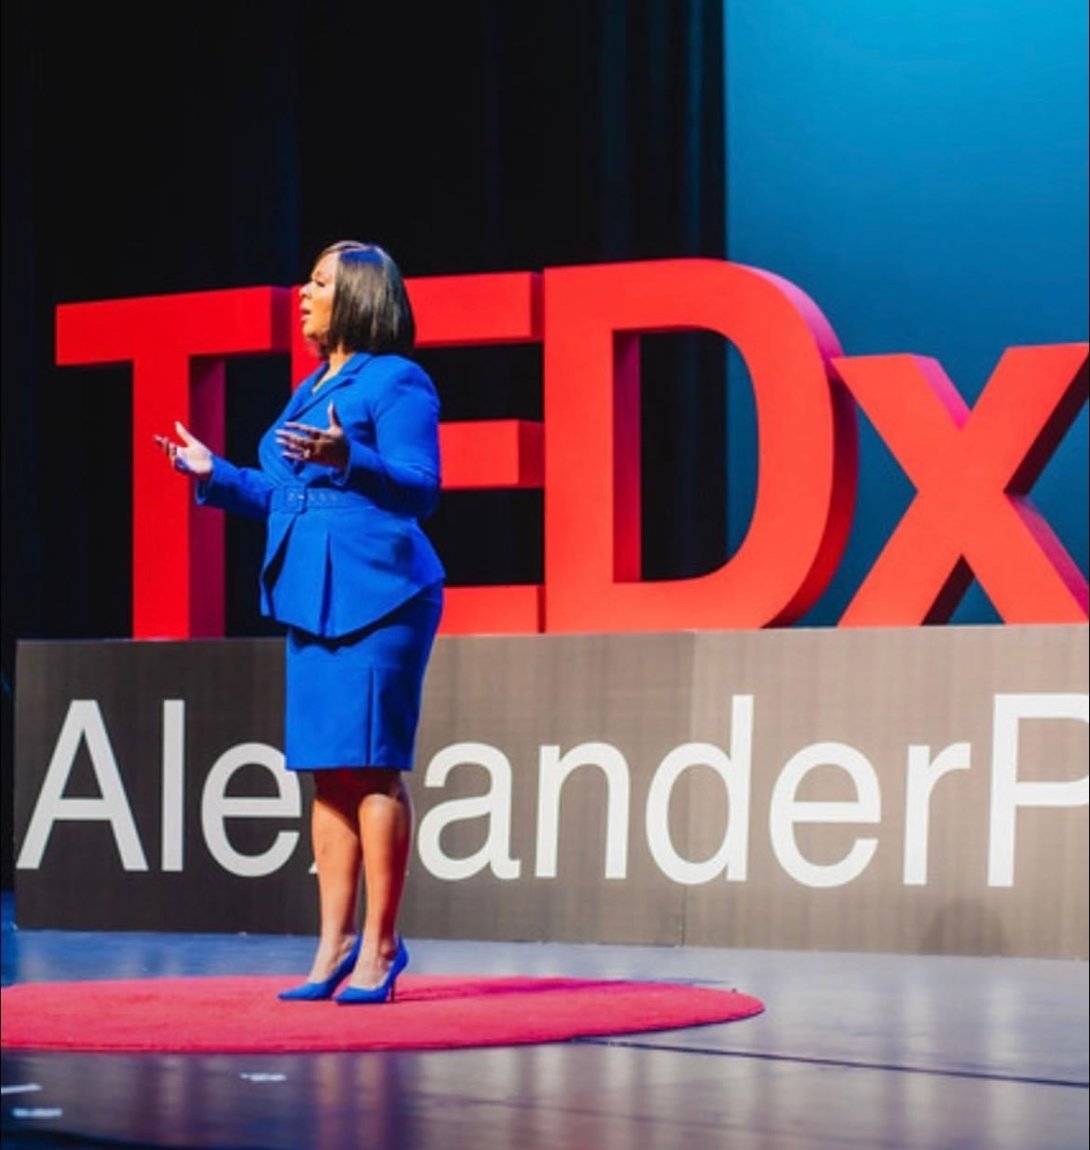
x=355, y=701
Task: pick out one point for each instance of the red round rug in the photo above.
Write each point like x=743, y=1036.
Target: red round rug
x=243, y=1015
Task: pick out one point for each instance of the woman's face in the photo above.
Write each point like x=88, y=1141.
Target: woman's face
x=316, y=299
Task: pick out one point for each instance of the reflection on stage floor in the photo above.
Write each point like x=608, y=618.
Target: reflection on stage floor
x=853, y=1051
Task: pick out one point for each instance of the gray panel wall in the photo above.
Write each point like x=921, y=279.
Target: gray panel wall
x=918, y=790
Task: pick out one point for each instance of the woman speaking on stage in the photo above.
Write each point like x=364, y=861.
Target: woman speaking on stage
x=347, y=473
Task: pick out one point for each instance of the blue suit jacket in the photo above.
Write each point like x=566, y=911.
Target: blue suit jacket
x=345, y=548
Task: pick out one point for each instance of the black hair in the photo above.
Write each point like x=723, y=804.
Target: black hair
x=371, y=308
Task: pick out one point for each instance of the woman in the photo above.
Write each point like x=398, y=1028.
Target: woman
x=352, y=575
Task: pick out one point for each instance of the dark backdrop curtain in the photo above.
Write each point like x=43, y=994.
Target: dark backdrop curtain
x=152, y=149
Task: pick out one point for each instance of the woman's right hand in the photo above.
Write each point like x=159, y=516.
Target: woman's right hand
x=190, y=456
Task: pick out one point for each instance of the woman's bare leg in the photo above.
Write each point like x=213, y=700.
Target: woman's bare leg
x=385, y=816
x=335, y=837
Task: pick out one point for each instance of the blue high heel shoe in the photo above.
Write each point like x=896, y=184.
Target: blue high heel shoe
x=352, y=995
x=317, y=991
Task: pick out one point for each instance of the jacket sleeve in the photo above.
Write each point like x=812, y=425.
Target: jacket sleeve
x=401, y=472
x=242, y=490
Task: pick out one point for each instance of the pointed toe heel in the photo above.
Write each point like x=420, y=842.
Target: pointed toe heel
x=319, y=991
x=386, y=989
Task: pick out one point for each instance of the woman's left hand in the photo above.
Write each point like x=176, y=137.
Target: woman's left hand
x=302, y=443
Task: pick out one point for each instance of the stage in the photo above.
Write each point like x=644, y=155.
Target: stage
x=852, y=1050
x=759, y=335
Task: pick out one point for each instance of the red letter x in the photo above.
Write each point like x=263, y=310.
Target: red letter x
x=972, y=470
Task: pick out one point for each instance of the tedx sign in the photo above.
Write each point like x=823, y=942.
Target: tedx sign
x=972, y=468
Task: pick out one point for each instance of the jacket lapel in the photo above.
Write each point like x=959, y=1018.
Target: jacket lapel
x=312, y=400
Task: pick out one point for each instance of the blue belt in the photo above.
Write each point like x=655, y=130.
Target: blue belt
x=297, y=499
